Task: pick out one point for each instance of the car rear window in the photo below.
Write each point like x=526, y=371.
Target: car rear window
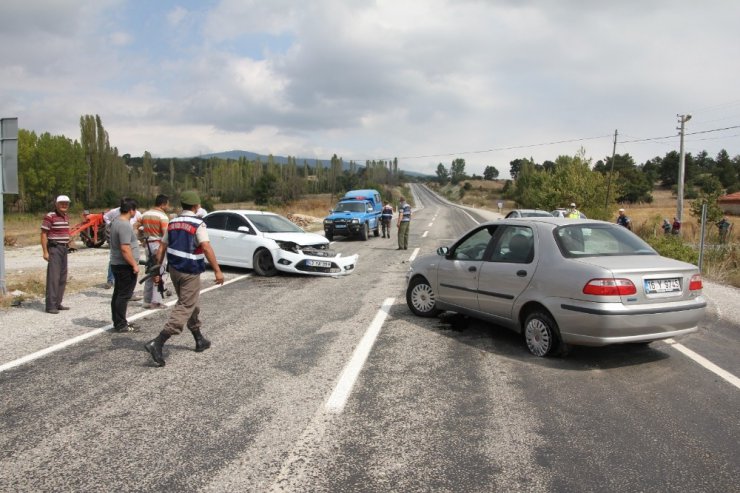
x=597, y=240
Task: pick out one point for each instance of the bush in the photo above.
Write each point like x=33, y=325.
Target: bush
x=673, y=247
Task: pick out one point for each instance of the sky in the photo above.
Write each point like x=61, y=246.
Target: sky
x=424, y=81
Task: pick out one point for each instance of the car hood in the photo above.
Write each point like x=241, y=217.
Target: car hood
x=302, y=239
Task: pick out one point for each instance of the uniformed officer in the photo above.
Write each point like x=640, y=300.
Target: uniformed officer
x=573, y=213
x=403, y=224
x=187, y=246
x=624, y=220
x=386, y=216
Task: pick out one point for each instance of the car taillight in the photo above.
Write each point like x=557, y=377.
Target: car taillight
x=695, y=283
x=609, y=287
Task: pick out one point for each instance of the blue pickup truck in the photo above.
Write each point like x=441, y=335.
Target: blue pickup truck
x=355, y=214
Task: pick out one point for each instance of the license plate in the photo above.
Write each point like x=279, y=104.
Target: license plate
x=318, y=263
x=662, y=286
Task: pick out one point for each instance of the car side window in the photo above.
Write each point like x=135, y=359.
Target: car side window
x=474, y=246
x=234, y=221
x=514, y=245
x=215, y=221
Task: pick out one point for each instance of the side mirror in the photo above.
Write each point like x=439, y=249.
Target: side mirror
x=443, y=251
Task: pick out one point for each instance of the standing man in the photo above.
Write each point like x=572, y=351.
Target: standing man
x=186, y=245
x=109, y=217
x=386, y=216
x=724, y=229
x=404, y=221
x=154, y=226
x=573, y=213
x=124, y=261
x=624, y=220
x=55, y=245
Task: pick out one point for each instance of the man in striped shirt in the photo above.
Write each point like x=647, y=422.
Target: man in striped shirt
x=55, y=245
x=154, y=226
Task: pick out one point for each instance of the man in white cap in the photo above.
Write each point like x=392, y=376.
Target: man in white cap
x=573, y=213
x=55, y=245
x=624, y=220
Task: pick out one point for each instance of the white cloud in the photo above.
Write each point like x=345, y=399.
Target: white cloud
x=375, y=80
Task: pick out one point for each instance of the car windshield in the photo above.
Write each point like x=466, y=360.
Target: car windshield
x=269, y=223
x=599, y=240
x=536, y=214
x=350, y=207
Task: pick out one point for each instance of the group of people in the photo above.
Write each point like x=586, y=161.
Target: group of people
x=181, y=244
x=403, y=223
x=674, y=228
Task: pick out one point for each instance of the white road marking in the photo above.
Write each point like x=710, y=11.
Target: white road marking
x=430, y=225
x=425, y=234
x=338, y=398
x=414, y=254
x=726, y=375
x=69, y=342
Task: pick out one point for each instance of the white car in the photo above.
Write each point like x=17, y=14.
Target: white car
x=268, y=243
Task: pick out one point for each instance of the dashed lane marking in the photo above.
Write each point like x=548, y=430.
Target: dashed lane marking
x=343, y=389
x=726, y=375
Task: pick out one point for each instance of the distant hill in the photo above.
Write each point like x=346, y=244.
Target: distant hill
x=253, y=156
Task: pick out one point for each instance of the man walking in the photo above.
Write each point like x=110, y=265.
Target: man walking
x=186, y=246
x=403, y=224
x=124, y=262
x=55, y=245
x=154, y=226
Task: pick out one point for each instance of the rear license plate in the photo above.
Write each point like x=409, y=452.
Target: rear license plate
x=662, y=286
x=318, y=263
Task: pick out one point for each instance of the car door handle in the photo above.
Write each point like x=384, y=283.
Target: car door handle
x=472, y=268
x=521, y=273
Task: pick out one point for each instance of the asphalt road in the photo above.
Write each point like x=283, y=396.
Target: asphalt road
x=444, y=404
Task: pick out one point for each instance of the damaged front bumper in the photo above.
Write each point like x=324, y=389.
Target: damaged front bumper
x=314, y=261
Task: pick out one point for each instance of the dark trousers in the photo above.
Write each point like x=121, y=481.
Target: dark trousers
x=56, y=276
x=123, y=289
x=386, y=227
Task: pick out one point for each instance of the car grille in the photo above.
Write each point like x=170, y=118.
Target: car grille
x=318, y=252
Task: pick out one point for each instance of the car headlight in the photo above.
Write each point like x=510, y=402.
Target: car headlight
x=328, y=221
x=288, y=246
x=355, y=221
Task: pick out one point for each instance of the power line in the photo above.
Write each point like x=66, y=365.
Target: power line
x=495, y=149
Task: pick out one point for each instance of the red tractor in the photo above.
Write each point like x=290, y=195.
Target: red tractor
x=92, y=230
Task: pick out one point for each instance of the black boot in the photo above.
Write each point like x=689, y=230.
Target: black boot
x=155, y=348
x=201, y=343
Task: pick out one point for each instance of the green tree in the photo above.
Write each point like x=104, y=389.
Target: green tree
x=457, y=171
x=490, y=173
x=443, y=175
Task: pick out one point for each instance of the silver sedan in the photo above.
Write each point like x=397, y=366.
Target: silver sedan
x=560, y=282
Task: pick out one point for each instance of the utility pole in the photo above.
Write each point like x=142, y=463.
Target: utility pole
x=682, y=119
x=609, y=180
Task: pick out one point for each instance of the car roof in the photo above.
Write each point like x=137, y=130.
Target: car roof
x=555, y=221
x=244, y=212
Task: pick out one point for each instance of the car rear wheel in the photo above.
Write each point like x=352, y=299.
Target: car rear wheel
x=420, y=298
x=263, y=264
x=541, y=334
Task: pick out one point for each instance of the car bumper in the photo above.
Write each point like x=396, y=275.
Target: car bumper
x=600, y=324
x=350, y=230
x=295, y=263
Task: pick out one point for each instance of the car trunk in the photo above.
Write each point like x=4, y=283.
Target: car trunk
x=657, y=279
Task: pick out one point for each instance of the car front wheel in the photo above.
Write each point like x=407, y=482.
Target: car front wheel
x=541, y=334
x=420, y=298
x=263, y=264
